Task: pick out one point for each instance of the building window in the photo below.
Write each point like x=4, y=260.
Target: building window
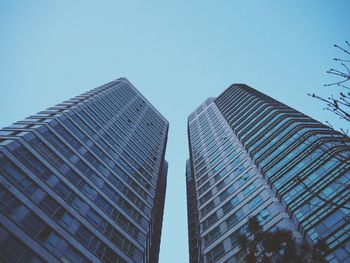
x=52, y=241
x=13, y=250
x=234, y=218
x=70, y=256
x=264, y=215
x=216, y=253
x=209, y=221
x=212, y=235
x=8, y=204
x=49, y=205
x=247, y=191
x=256, y=201
x=32, y=225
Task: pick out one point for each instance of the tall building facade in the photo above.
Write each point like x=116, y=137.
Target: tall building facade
x=85, y=180
x=252, y=155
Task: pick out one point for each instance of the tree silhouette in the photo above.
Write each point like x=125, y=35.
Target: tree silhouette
x=278, y=246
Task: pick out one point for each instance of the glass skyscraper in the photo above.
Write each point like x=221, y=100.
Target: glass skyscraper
x=252, y=155
x=85, y=180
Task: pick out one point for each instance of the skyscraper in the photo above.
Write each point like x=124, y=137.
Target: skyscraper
x=84, y=181
x=252, y=155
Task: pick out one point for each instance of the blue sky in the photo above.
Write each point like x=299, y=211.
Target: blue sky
x=177, y=53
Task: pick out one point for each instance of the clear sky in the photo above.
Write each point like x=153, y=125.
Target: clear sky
x=177, y=53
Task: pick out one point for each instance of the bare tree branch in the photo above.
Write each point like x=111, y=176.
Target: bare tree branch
x=339, y=104
x=315, y=194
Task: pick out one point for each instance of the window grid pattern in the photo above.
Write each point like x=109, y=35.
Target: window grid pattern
x=101, y=154
x=300, y=158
